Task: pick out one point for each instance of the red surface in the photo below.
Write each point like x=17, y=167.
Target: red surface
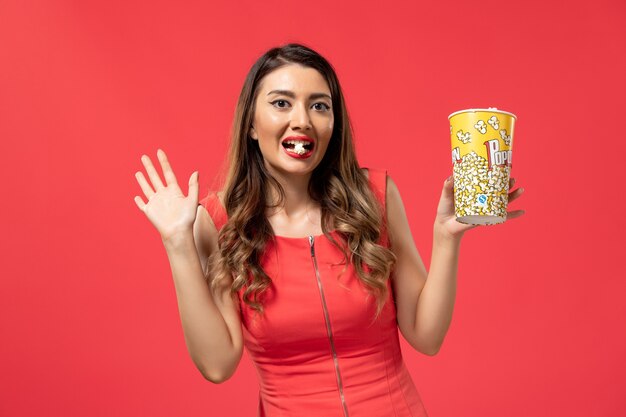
x=89, y=323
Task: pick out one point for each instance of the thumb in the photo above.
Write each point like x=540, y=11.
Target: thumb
x=447, y=192
x=193, y=187
x=446, y=201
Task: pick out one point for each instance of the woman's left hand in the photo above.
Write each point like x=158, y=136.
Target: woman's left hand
x=446, y=219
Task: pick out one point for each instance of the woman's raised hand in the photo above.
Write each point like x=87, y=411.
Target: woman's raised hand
x=167, y=208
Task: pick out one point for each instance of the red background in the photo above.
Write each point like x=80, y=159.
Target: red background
x=89, y=322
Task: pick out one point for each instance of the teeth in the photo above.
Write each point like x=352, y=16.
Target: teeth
x=297, y=142
x=298, y=146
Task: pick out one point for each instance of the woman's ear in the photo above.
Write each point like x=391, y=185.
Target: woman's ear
x=252, y=133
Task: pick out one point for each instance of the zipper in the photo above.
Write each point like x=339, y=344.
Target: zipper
x=328, y=329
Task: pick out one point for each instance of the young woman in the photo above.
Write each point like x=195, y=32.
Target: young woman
x=304, y=257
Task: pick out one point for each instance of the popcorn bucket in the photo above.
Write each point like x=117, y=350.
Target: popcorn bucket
x=482, y=143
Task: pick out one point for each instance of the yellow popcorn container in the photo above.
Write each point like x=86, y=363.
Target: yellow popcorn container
x=482, y=143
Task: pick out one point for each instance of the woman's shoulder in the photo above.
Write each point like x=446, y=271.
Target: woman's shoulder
x=213, y=202
x=212, y=196
x=377, y=178
x=373, y=172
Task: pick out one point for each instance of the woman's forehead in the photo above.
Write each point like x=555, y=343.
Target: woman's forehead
x=295, y=78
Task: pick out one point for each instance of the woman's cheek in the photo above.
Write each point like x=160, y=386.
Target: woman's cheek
x=275, y=118
x=331, y=124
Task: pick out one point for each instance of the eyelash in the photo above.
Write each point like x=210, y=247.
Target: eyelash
x=326, y=107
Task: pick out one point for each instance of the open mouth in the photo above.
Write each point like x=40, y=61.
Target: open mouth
x=299, y=147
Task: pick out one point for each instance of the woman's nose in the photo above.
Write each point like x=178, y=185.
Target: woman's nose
x=300, y=117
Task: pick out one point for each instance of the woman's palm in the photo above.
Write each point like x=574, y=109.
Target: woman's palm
x=168, y=209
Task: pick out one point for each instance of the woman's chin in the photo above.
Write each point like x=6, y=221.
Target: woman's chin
x=296, y=167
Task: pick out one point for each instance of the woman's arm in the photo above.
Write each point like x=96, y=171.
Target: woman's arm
x=425, y=300
x=211, y=326
x=210, y=321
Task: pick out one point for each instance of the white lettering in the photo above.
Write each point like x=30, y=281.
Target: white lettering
x=495, y=155
x=456, y=155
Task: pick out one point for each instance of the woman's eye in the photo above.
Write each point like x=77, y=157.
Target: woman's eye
x=281, y=104
x=324, y=106
x=274, y=103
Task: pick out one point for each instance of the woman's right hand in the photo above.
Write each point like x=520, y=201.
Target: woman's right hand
x=167, y=209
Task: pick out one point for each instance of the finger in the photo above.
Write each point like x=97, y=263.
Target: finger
x=515, y=194
x=514, y=214
x=143, y=183
x=140, y=203
x=193, y=188
x=152, y=173
x=170, y=178
x=511, y=183
x=447, y=192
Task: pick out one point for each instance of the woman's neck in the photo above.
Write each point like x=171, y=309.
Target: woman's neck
x=297, y=199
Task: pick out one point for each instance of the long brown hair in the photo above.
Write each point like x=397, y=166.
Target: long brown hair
x=338, y=184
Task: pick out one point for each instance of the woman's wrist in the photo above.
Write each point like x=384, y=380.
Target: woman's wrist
x=178, y=240
x=440, y=234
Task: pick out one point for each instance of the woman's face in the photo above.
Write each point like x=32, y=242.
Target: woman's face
x=293, y=120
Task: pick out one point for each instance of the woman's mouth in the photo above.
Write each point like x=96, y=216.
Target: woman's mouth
x=298, y=148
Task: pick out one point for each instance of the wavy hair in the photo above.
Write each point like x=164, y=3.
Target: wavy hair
x=338, y=184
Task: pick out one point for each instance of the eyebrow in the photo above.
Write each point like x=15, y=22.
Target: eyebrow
x=292, y=95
